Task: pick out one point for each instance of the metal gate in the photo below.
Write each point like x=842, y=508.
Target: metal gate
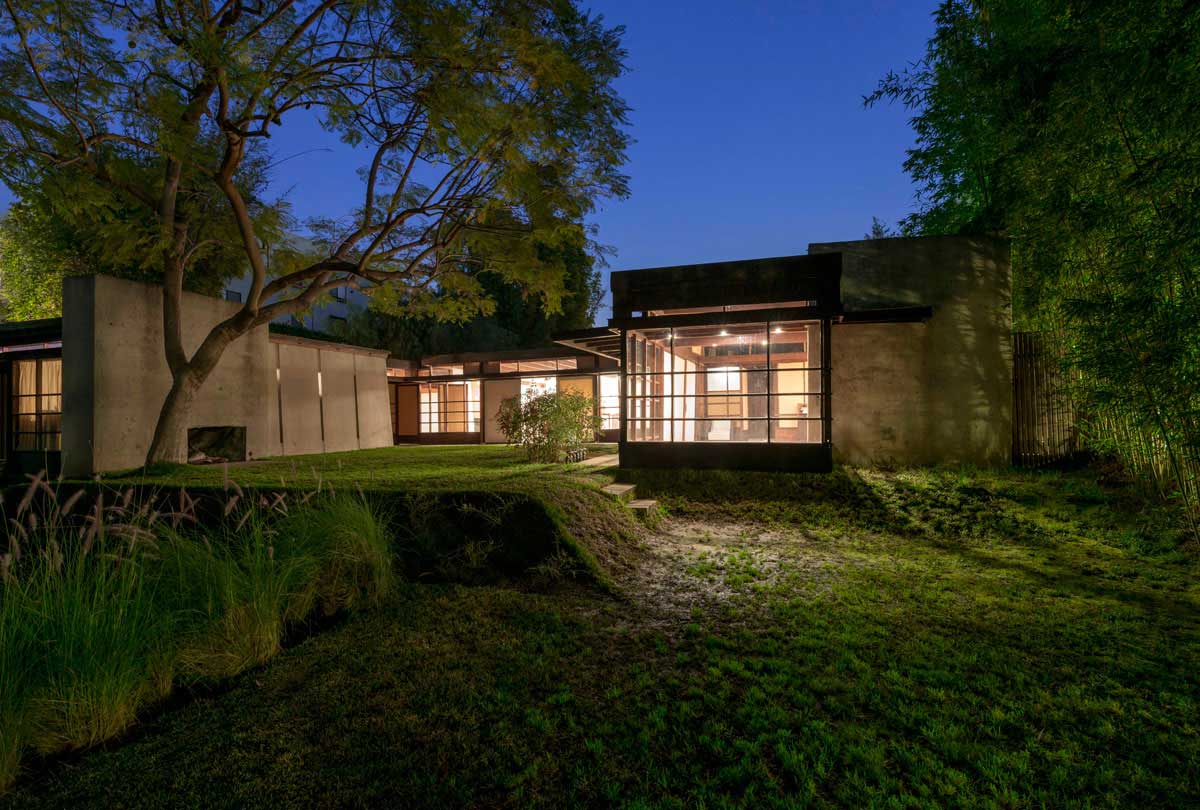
x=1044, y=430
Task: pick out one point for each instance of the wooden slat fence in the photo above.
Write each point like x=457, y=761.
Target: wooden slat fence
x=1044, y=428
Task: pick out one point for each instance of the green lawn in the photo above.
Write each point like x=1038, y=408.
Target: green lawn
x=409, y=468
x=863, y=639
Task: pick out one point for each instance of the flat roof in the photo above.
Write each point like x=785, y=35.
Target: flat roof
x=327, y=345
x=601, y=340
x=17, y=332
x=806, y=277
x=505, y=354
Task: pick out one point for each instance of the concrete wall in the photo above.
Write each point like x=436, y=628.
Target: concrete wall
x=495, y=392
x=923, y=393
x=115, y=378
x=115, y=374
x=298, y=366
x=333, y=397
x=374, y=415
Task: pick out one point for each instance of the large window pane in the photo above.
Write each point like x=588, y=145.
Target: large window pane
x=37, y=404
x=797, y=399
x=536, y=386
x=450, y=407
x=737, y=383
x=25, y=377
x=610, y=401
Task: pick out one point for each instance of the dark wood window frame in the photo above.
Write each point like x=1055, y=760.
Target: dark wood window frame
x=45, y=440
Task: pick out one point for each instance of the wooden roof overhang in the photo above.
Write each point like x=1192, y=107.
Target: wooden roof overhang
x=27, y=336
x=604, y=341
x=729, y=318
x=504, y=355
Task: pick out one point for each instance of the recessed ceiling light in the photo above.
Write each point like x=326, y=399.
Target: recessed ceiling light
x=723, y=333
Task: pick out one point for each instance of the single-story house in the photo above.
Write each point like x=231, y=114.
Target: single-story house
x=889, y=350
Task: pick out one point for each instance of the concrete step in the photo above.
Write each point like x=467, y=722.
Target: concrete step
x=621, y=492
x=643, y=507
x=602, y=462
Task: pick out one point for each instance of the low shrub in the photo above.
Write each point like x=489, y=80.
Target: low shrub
x=547, y=426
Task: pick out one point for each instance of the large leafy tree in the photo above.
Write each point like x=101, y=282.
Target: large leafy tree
x=516, y=321
x=50, y=234
x=1072, y=128
x=487, y=128
x=34, y=260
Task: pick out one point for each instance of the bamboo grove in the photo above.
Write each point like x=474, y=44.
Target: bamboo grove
x=1071, y=128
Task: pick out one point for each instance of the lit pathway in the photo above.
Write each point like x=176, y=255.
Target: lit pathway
x=600, y=462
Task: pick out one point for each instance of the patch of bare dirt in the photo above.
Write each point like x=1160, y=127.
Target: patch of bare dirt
x=694, y=569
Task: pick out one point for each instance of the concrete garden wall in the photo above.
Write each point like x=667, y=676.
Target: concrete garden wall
x=924, y=393
x=115, y=378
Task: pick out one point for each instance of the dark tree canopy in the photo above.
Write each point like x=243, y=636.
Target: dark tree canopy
x=519, y=321
x=1073, y=129
x=488, y=129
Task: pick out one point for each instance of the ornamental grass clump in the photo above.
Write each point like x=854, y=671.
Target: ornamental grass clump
x=547, y=426
x=349, y=539
x=234, y=592
x=81, y=638
x=101, y=612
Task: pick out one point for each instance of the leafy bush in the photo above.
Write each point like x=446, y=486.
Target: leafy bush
x=548, y=425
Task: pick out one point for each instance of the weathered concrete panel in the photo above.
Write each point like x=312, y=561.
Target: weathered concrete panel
x=302, y=431
x=274, y=404
x=337, y=401
x=879, y=391
x=118, y=324
x=495, y=392
x=924, y=393
x=374, y=419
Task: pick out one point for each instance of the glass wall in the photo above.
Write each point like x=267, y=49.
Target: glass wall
x=739, y=383
x=37, y=404
x=536, y=386
x=551, y=364
x=450, y=407
x=610, y=401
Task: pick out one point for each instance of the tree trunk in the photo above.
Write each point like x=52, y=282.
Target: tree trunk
x=170, y=434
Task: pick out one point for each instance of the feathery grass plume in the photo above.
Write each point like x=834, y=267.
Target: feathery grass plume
x=351, y=540
x=78, y=624
x=234, y=593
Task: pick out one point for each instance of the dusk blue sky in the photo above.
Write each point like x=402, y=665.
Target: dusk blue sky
x=751, y=137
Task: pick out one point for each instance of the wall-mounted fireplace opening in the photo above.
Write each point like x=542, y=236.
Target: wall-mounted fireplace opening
x=213, y=445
